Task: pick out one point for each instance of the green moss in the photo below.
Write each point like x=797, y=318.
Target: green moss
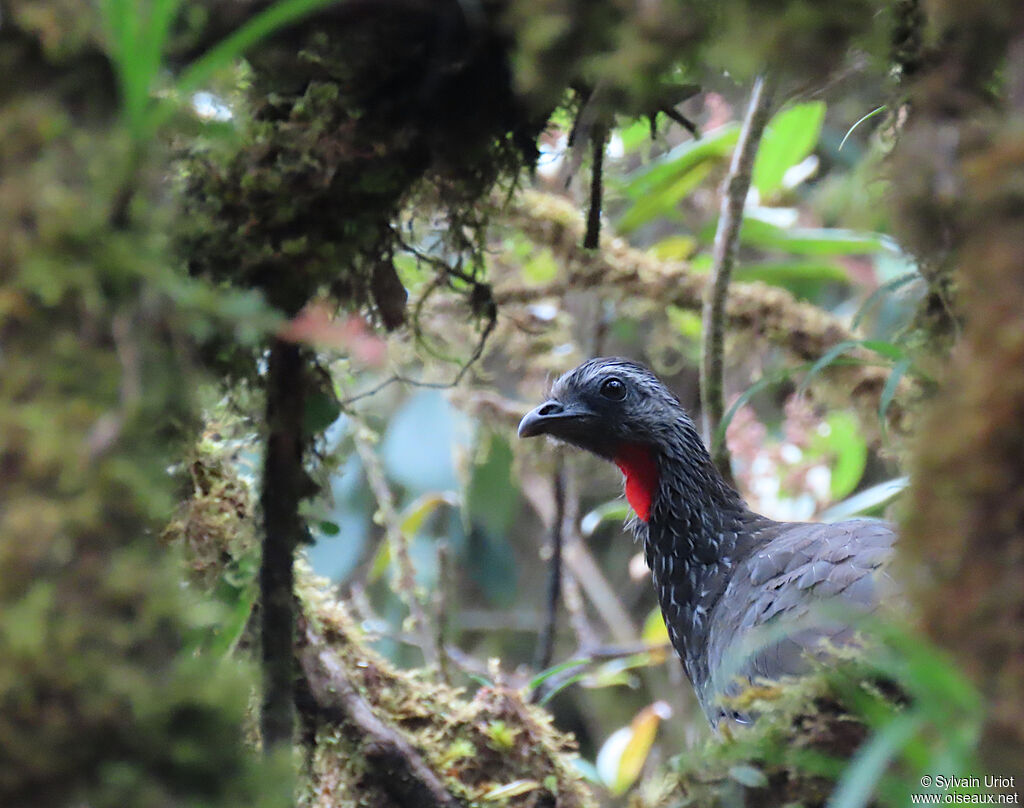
x=105, y=701
x=476, y=744
x=805, y=734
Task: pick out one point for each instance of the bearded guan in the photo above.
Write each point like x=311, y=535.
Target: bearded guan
x=723, y=574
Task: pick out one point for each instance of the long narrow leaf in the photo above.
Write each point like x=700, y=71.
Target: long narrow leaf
x=881, y=347
x=746, y=395
x=544, y=675
x=153, y=43
x=849, y=131
x=826, y=359
x=891, y=386
x=263, y=24
x=560, y=687
x=868, y=765
x=871, y=499
x=885, y=288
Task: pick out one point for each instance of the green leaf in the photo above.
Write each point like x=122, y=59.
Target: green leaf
x=819, y=241
x=380, y=562
x=891, y=386
x=419, y=510
x=282, y=13
x=658, y=187
x=748, y=775
x=792, y=273
x=869, y=501
x=554, y=670
x=321, y=410
x=571, y=680
x=655, y=632
x=674, y=248
x=492, y=495
x=788, y=138
x=885, y=288
x=329, y=528
x=663, y=200
x=667, y=168
x=491, y=508
x=686, y=322
x=139, y=34
x=761, y=384
x=635, y=135
x=845, y=443
x=615, y=510
x=541, y=268
x=886, y=349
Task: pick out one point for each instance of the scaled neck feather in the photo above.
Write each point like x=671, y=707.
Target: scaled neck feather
x=698, y=529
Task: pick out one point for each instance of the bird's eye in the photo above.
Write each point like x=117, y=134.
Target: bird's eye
x=613, y=389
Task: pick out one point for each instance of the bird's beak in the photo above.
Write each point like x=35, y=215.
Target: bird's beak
x=553, y=418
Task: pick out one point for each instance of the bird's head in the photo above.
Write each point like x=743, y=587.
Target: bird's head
x=618, y=410
x=603, y=405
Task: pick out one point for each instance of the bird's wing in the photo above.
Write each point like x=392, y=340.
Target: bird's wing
x=785, y=582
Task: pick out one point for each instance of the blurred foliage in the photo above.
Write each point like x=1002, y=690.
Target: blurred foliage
x=360, y=160
x=105, y=702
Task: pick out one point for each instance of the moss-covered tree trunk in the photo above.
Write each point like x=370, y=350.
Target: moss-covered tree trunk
x=962, y=158
x=102, y=701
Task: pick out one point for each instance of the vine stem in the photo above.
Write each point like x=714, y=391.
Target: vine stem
x=730, y=220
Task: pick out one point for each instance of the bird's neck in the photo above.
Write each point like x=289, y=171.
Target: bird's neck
x=673, y=485
x=697, y=529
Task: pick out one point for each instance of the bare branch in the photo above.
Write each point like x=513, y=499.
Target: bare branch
x=546, y=640
x=592, y=237
x=441, y=608
x=730, y=220
x=581, y=563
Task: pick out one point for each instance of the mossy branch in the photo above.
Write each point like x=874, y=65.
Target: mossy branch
x=804, y=331
x=391, y=760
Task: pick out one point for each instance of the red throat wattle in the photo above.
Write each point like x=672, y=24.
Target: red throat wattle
x=637, y=463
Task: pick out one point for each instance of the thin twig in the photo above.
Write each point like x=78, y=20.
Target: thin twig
x=682, y=120
x=730, y=220
x=492, y=321
x=397, y=542
x=586, y=637
x=578, y=560
x=392, y=762
x=546, y=640
x=441, y=608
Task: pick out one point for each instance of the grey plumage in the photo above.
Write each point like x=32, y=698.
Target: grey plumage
x=728, y=580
